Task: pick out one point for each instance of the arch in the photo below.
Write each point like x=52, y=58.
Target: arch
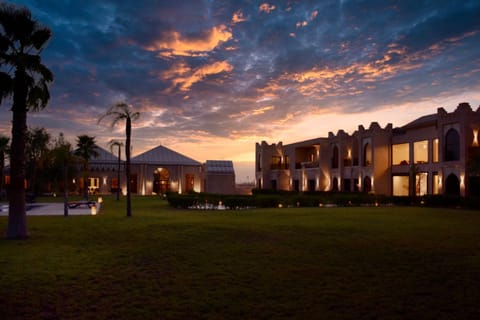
x=452, y=185
x=161, y=181
x=335, y=184
x=355, y=152
x=452, y=145
x=367, y=184
x=367, y=155
x=335, y=157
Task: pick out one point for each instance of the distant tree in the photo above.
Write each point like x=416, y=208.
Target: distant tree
x=36, y=150
x=24, y=79
x=62, y=158
x=119, y=112
x=86, y=150
x=4, y=147
x=119, y=144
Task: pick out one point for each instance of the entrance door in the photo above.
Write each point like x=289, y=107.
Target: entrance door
x=161, y=181
x=189, y=182
x=133, y=183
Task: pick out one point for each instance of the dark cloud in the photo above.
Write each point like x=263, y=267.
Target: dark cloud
x=228, y=69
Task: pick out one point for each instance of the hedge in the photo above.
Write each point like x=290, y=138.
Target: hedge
x=262, y=199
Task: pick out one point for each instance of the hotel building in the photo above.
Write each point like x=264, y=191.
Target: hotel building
x=434, y=154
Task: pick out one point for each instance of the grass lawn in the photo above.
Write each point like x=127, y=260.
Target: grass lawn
x=301, y=263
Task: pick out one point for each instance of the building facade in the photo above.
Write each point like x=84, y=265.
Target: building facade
x=159, y=171
x=430, y=155
x=219, y=177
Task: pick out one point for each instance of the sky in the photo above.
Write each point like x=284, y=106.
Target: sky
x=212, y=78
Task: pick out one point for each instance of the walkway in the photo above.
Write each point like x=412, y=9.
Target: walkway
x=49, y=209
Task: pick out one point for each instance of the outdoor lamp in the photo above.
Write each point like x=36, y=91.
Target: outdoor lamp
x=93, y=210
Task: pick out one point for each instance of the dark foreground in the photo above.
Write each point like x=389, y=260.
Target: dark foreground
x=312, y=263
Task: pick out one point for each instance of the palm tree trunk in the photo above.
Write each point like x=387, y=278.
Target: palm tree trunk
x=65, y=189
x=127, y=167
x=2, y=166
x=118, y=172
x=17, y=217
x=85, y=181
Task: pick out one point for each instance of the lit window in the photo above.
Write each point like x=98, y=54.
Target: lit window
x=400, y=154
x=400, y=185
x=435, y=151
x=435, y=184
x=420, y=151
x=421, y=183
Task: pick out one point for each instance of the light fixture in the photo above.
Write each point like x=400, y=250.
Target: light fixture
x=93, y=209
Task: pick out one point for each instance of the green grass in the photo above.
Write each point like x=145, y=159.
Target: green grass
x=302, y=263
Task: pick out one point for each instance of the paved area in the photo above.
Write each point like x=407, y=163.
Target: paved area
x=50, y=209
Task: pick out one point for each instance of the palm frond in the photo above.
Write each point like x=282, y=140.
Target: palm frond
x=40, y=37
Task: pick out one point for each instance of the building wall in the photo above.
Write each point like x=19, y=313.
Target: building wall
x=339, y=162
x=219, y=183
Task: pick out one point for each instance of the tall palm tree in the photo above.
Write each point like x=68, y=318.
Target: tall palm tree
x=119, y=112
x=4, y=140
x=86, y=149
x=119, y=144
x=25, y=80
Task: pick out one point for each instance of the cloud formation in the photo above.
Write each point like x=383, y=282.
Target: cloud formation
x=173, y=43
x=238, y=72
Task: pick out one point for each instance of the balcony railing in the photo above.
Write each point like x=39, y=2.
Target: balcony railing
x=279, y=166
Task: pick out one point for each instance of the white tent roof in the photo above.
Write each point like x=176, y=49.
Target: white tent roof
x=104, y=156
x=163, y=156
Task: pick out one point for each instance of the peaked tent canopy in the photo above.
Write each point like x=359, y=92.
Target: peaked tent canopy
x=163, y=155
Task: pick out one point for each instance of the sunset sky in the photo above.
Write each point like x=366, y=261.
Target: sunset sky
x=211, y=78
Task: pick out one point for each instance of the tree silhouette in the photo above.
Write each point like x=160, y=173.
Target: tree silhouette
x=24, y=79
x=4, y=148
x=119, y=144
x=119, y=112
x=62, y=157
x=86, y=149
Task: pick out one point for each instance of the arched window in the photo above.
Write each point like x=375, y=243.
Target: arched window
x=355, y=152
x=367, y=155
x=335, y=157
x=367, y=184
x=335, y=184
x=452, y=145
x=452, y=185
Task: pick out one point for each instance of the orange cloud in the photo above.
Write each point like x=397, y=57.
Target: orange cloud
x=266, y=7
x=254, y=112
x=184, y=77
x=301, y=24
x=238, y=17
x=174, y=44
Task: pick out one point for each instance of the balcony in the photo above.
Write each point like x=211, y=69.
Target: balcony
x=279, y=166
x=307, y=164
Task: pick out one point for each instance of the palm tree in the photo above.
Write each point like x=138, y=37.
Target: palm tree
x=119, y=144
x=62, y=157
x=3, y=150
x=26, y=82
x=86, y=149
x=119, y=112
